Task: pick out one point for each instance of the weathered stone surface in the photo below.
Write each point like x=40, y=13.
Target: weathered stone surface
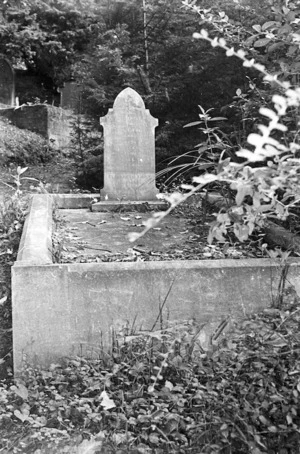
x=129, y=150
x=70, y=95
x=36, y=243
x=7, y=83
x=53, y=123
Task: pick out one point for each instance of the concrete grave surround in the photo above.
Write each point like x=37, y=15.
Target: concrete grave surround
x=7, y=83
x=129, y=150
x=72, y=309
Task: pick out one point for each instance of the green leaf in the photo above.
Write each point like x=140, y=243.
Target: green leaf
x=20, y=390
x=270, y=24
x=217, y=119
x=194, y=123
x=242, y=191
x=262, y=42
x=154, y=438
x=257, y=28
x=263, y=420
x=274, y=47
x=20, y=415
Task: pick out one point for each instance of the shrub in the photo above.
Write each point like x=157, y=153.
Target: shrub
x=21, y=146
x=269, y=167
x=87, y=152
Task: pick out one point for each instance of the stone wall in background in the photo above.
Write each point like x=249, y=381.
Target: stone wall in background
x=51, y=122
x=7, y=83
x=70, y=96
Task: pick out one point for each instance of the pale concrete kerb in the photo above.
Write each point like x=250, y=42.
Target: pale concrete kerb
x=73, y=201
x=123, y=205
x=36, y=241
x=70, y=309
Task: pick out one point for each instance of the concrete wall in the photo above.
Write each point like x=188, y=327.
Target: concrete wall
x=65, y=309
x=59, y=126
x=51, y=122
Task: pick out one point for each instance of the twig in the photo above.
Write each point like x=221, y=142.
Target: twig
x=162, y=306
x=97, y=248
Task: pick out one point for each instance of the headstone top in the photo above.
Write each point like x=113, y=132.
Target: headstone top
x=129, y=95
x=129, y=150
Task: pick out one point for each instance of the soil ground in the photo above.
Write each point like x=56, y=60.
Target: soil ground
x=84, y=236
x=57, y=176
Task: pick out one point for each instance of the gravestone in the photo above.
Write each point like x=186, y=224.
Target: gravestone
x=7, y=83
x=129, y=150
x=70, y=95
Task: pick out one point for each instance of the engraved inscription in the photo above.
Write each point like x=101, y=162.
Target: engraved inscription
x=129, y=150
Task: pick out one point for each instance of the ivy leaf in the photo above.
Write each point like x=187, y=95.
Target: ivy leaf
x=23, y=415
x=241, y=232
x=20, y=390
x=154, y=439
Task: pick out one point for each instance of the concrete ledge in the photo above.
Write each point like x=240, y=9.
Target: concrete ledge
x=141, y=206
x=69, y=201
x=36, y=241
x=61, y=310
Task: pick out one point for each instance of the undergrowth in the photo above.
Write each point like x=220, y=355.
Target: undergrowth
x=21, y=146
x=163, y=391
x=13, y=208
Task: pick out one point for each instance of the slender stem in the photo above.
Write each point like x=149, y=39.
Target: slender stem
x=145, y=37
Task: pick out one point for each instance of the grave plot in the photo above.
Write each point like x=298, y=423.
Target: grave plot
x=82, y=236
x=63, y=309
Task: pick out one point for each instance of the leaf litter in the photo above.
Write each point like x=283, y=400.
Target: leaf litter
x=190, y=242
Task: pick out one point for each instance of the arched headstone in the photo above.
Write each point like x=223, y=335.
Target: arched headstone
x=7, y=83
x=129, y=150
